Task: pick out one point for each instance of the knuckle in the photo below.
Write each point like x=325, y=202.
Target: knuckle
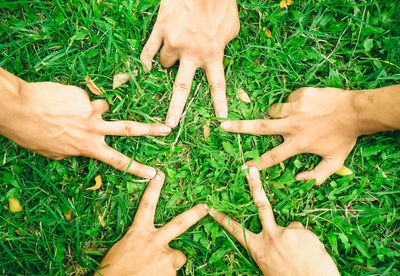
x=128, y=130
x=261, y=205
x=181, y=87
x=180, y=222
x=118, y=163
x=273, y=157
x=219, y=86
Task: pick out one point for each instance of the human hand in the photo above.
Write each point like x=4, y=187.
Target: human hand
x=58, y=121
x=321, y=121
x=144, y=249
x=195, y=32
x=277, y=250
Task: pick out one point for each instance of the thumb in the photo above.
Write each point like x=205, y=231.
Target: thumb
x=320, y=173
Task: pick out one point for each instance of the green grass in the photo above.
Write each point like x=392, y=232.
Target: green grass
x=345, y=44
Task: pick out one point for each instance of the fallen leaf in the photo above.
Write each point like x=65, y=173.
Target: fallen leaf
x=181, y=184
x=206, y=129
x=285, y=3
x=92, y=86
x=242, y=95
x=15, y=206
x=69, y=214
x=96, y=186
x=268, y=33
x=100, y=219
x=344, y=171
x=121, y=78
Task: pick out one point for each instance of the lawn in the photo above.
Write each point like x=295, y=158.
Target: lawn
x=338, y=43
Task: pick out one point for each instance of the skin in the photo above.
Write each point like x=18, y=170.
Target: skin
x=144, y=249
x=323, y=121
x=195, y=32
x=291, y=250
x=58, y=121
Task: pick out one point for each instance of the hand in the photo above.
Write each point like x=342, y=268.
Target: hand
x=58, y=121
x=195, y=32
x=277, y=250
x=144, y=249
x=321, y=121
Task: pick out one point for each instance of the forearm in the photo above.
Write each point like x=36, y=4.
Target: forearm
x=378, y=109
x=11, y=88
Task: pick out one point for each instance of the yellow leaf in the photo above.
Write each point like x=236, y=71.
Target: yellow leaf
x=242, y=95
x=344, y=171
x=92, y=86
x=121, y=78
x=69, y=214
x=285, y=3
x=15, y=206
x=96, y=186
x=268, y=33
x=206, y=129
x=100, y=219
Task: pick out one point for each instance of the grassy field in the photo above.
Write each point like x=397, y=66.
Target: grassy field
x=339, y=43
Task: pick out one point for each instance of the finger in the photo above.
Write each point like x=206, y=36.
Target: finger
x=295, y=225
x=181, y=223
x=280, y=110
x=148, y=203
x=122, y=162
x=276, y=155
x=100, y=106
x=150, y=49
x=245, y=237
x=258, y=127
x=131, y=128
x=180, y=93
x=321, y=172
x=168, y=57
x=178, y=259
x=261, y=200
x=216, y=78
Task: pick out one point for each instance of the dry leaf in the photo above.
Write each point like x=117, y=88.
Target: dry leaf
x=100, y=219
x=242, y=95
x=285, y=3
x=92, y=86
x=121, y=78
x=96, y=186
x=206, y=128
x=15, y=206
x=344, y=171
x=69, y=214
x=268, y=33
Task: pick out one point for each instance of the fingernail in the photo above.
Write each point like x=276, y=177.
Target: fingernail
x=158, y=177
x=226, y=125
x=205, y=206
x=222, y=114
x=244, y=167
x=172, y=122
x=150, y=173
x=165, y=130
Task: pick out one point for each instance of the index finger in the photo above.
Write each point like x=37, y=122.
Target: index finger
x=261, y=200
x=148, y=203
x=237, y=230
x=131, y=128
x=122, y=162
x=257, y=127
x=216, y=78
x=181, y=223
x=181, y=90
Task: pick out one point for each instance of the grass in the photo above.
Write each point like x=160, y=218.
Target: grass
x=345, y=44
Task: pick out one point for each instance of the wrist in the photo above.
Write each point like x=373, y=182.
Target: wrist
x=377, y=109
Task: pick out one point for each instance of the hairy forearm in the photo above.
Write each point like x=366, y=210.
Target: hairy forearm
x=378, y=109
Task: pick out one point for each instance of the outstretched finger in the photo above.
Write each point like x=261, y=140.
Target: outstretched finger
x=276, y=155
x=181, y=223
x=237, y=230
x=258, y=127
x=150, y=49
x=261, y=200
x=131, y=128
x=320, y=173
x=180, y=93
x=147, y=206
x=122, y=162
x=216, y=78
